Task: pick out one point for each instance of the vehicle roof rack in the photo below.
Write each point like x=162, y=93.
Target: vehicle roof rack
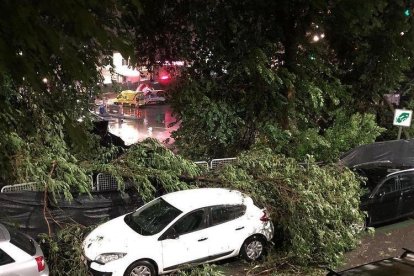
x=371, y=163
x=400, y=171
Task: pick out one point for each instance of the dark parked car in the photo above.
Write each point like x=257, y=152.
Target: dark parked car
x=402, y=266
x=390, y=198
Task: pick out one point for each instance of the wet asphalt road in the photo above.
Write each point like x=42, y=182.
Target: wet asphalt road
x=135, y=124
x=386, y=242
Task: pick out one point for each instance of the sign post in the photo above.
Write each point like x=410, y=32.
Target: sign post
x=402, y=118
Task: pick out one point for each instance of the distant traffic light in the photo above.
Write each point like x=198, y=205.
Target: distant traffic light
x=407, y=12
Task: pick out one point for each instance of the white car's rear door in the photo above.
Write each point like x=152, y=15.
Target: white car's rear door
x=228, y=229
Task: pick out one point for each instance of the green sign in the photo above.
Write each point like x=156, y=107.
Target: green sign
x=403, y=116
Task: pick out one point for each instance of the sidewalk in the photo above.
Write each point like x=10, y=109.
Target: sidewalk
x=387, y=241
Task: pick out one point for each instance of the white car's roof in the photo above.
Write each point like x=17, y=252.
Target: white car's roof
x=198, y=198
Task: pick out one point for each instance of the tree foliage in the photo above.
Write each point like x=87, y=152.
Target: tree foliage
x=35, y=146
x=259, y=64
x=49, y=68
x=315, y=208
x=62, y=41
x=150, y=167
x=63, y=251
x=347, y=131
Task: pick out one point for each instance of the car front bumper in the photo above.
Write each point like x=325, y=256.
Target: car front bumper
x=96, y=269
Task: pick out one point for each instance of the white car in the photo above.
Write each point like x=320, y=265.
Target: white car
x=179, y=229
x=154, y=96
x=20, y=254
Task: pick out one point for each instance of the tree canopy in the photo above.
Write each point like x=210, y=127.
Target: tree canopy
x=257, y=68
x=299, y=77
x=284, y=73
x=51, y=53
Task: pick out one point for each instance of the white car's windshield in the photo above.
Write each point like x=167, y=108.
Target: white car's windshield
x=152, y=218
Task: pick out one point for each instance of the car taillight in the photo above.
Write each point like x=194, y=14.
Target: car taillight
x=264, y=217
x=41, y=265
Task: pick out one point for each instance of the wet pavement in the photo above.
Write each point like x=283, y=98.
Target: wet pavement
x=134, y=124
x=387, y=241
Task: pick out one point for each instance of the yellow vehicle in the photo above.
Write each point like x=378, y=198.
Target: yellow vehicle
x=131, y=98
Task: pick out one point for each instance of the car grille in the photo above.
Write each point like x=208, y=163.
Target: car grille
x=94, y=272
x=99, y=273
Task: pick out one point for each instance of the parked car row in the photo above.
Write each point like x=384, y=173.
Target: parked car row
x=171, y=232
x=198, y=226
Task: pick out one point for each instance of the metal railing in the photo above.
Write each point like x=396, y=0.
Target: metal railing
x=218, y=163
x=29, y=186
x=106, y=182
x=203, y=164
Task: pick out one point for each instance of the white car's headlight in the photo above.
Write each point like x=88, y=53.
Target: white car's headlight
x=109, y=257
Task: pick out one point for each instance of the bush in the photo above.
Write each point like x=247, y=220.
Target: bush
x=314, y=207
x=63, y=251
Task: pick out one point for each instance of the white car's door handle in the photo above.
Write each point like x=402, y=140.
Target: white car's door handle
x=240, y=228
x=202, y=239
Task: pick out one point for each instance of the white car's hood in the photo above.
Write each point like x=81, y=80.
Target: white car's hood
x=114, y=236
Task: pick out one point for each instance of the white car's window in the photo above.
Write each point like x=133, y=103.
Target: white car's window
x=221, y=214
x=192, y=222
x=152, y=217
x=4, y=258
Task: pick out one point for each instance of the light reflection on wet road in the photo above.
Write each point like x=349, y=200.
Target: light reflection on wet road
x=137, y=124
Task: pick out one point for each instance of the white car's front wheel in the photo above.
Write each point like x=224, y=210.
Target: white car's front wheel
x=253, y=248
x=140, y=268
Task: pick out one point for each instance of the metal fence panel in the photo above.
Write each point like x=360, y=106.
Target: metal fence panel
x=203, y=164
x=106, y=182
x=30, y=186
x=218, y=163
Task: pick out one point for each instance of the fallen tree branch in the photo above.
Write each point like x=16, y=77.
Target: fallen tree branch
x=45, y=198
